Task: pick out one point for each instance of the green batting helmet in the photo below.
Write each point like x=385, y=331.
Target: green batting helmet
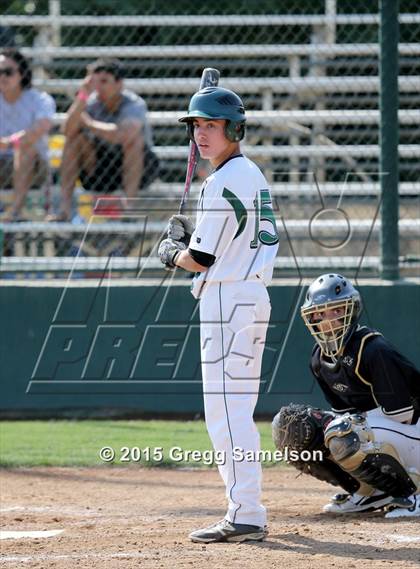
x=217, y=103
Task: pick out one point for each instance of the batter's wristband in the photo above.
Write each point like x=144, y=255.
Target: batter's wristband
x=82, y=96
x=15, y=140
x=175, y=257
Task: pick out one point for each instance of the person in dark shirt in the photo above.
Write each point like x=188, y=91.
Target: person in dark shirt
x=369, y=374
x=374, y=393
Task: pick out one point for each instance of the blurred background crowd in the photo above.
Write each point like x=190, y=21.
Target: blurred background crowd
x=89, y=100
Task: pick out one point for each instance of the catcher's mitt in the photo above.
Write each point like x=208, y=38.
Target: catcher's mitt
x=300, y=427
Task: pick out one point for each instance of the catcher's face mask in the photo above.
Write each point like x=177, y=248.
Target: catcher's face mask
x=329, y=323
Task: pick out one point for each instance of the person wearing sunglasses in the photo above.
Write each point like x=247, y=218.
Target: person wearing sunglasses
x=25, y=119
x=108, y=138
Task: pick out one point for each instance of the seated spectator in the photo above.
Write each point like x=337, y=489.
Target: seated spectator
x=108, y=138
x=25, y=119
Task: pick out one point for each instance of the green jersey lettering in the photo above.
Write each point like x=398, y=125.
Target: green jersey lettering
x=264, y=212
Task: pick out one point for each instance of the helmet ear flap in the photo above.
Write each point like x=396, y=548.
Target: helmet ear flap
x=190, y=130
x=358, y=307
x=234, y=131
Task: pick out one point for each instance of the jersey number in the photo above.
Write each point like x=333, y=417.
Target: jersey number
x=264, y=212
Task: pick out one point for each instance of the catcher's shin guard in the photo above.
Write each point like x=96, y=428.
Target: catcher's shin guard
x=384, y=472
x=352, y=445
x=328, y=471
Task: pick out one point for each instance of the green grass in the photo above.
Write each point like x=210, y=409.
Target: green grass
x=77, y=443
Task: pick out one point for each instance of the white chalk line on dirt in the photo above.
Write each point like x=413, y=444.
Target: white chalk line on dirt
x=47, y=509
x=403, y=538
x=74, y=556
x=31, y=534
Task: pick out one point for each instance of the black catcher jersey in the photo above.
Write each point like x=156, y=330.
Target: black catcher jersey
x=370, y=373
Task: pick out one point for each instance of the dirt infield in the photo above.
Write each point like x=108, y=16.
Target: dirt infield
x=141, y=517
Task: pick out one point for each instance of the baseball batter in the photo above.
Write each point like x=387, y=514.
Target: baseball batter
x=371, y=438
x=232, y=251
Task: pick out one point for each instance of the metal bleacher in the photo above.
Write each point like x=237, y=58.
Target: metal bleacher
x=307, y=118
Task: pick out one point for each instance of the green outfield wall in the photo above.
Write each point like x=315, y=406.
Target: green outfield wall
x=91, y=348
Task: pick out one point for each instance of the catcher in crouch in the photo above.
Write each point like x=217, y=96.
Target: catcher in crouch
x=371, y=439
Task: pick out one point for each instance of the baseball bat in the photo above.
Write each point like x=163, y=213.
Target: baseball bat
x=209, y=78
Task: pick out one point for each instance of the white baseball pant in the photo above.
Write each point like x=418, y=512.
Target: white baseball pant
x=404, y=438
x=234, y=319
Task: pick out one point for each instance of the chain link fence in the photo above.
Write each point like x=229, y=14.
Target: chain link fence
x=308, y=73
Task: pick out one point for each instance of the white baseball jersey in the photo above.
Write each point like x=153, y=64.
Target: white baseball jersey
x=236, y=224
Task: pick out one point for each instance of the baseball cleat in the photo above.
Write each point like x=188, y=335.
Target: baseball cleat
x=228, y=531
x=353, y=503
x=409, y=511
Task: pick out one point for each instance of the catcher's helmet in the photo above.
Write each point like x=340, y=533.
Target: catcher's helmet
x=217, y=103
x=329, y=292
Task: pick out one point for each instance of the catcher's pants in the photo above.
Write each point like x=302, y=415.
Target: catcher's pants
x=404, y=438
x=234, y=319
